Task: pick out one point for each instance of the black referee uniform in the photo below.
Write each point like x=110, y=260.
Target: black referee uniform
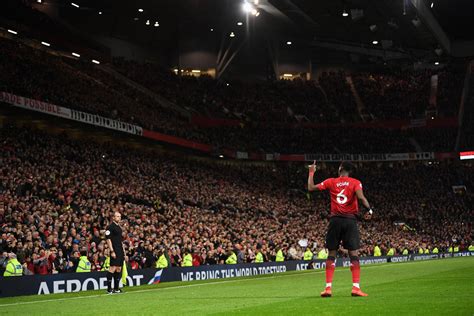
x=114, y=233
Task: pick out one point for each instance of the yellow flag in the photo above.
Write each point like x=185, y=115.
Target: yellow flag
x=124, y=273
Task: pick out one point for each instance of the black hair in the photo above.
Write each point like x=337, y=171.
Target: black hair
x=347, y=166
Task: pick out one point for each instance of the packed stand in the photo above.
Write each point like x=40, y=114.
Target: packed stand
x=58, y=195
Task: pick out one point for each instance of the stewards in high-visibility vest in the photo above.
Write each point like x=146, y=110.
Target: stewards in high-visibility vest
x=427, y=251
x=308, y=255
x=187, y=259
x=377, y=251
x=162, y=262
x=232, y=258
x=391, y=252
x=84, y=264
x=405, y=252
x=435, y=250
x=456, y=248
x=323, y=254
x=14, y=267
x=259, y=257
x=106, y=264
x=279, y=256
x=471, y=248
x=420, y=251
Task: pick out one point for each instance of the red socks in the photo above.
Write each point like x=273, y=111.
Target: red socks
x=355, y=269
x=330, y=267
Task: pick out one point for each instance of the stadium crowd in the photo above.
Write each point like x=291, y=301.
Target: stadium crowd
x=58, y=195
x=36, y=74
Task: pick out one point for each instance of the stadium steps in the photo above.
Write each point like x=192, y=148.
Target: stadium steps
x=360, y=104
x=466, y=111
x=158, y=98
x=415, y=144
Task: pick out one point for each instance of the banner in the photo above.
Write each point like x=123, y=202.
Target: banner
x=370, y=157
x=83, y=117
x=76, y=282
x=35, y=105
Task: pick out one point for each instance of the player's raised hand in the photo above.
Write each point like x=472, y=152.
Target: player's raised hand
x=312, y=168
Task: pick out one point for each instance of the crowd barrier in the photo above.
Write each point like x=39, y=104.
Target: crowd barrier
x=76, y=282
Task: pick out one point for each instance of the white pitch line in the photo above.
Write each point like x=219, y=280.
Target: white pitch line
x=156, y=289
x=276, y=275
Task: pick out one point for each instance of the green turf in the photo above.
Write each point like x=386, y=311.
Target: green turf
x=438, y=287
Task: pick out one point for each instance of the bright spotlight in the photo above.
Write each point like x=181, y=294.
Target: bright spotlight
x=257, y=14
x=46, y=44
x=436, y=63
x=157, y=24
x=432, y=5
x=254, y=12
x=100, y=12
x=239, y=23
x=140, y=10
x=232, y=34
x=247, y=7
x=344, y=13
x=96, y=61
x=12, y=31
x=147, y=22
x=289, y=43
x=74, y=5
x=375, y=42
x=76, y=55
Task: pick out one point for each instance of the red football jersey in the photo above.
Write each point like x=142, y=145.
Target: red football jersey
x=343, y=195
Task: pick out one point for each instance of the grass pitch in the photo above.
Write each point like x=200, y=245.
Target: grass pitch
x=438, y=287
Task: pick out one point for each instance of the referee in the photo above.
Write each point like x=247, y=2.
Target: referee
x=117, y=253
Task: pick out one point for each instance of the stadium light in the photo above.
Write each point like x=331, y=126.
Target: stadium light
x=74, y=5
x=46, y=44
x=257, y=14
x=344, y=13
x=289, y=43
x=287, y=75
x=100, y=12
x=140, y=10
x=232, y=34
x=432, y=5
x=196, y=71
x=255, y=2
x=157, y=24
x=76, y=55
x=221, y=156
x=436, y=63
x=38, y=1
x=239, y=23
x=375, y=42
x=227, y=84
x=12, y=31
x=147, y=22
x=212, y=30
x=254, y=12
x=96, y=62
x=247, y=7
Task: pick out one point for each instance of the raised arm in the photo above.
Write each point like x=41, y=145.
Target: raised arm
x=312, y=170
x=311, y=186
